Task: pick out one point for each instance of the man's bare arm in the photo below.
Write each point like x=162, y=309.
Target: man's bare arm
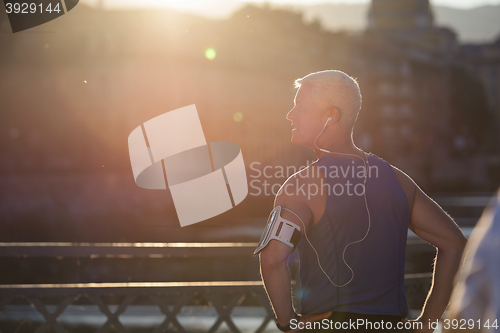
x=274, y=257
x=277, y=281
x=432, y=224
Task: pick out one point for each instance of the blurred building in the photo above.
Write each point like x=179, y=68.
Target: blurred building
x=483, y=61
x=416, y=84
x=411, y=22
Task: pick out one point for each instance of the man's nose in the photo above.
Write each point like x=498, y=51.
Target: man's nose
x=290, y=115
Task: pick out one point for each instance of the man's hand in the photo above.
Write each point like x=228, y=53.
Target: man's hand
x=311, y=318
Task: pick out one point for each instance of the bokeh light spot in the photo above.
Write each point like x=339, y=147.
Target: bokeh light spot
x=210, y=54
x=237, y=117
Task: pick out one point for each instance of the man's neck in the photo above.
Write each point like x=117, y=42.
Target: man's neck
x=343, y=145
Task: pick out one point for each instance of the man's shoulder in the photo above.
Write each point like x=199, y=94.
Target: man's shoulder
x=299, y=184
x=407, y=184
x=402, y=177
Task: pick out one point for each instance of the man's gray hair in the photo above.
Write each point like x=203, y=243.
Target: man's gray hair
x=334, y=88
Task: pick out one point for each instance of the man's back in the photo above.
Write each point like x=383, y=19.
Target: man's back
x=362, y=254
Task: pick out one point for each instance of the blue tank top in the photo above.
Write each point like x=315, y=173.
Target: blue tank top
x=377, y=262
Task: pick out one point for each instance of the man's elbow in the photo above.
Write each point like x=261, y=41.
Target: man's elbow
x=455, y=245
x=271, y=259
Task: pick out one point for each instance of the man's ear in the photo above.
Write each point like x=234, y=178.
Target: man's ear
x=334, y=114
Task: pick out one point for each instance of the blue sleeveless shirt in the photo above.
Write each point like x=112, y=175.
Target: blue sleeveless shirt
x=377, y=286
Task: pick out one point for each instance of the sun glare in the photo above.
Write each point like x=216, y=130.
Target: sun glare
x=237, y=117
x=210, y=54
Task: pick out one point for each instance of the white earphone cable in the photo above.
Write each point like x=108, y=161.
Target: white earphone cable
x=366, y=165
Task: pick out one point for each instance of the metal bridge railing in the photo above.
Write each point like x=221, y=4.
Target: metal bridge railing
x=171, y=299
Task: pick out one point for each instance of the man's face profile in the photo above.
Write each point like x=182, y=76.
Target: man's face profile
x=305, y=117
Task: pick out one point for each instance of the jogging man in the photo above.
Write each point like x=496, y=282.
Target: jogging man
x=348, y=215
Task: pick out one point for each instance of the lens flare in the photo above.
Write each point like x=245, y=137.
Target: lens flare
x=210, y=54
x=237, y=117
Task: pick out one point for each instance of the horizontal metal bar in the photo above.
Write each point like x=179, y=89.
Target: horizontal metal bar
x=134, y=285
x=125, y=288
x=131, y=287
x=137, y=245
x=167, y=250
x=181, y=250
